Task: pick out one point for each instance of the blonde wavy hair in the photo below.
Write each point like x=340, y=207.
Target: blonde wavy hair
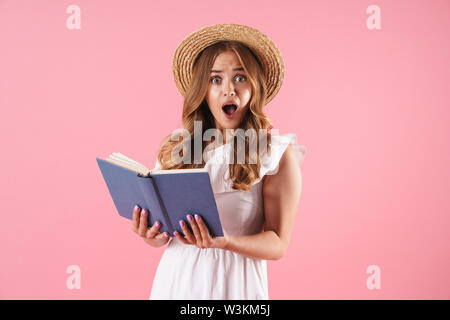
x=195, y=108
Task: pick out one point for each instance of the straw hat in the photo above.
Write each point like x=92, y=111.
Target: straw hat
x=266, y=51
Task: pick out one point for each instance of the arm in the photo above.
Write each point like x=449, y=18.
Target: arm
x=281, y=193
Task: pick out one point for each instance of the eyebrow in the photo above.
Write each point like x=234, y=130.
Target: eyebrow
x=220, y=71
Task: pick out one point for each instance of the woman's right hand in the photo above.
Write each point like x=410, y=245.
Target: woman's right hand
x=150, y=235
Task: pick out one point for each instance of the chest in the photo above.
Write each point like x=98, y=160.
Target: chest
x=241, y=213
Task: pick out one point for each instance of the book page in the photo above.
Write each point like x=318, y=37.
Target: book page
x=128, y=163
x=122, y=160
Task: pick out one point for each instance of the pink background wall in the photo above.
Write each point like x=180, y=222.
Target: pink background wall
x=371, y=106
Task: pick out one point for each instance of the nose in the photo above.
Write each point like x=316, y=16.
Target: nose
x=229, y=89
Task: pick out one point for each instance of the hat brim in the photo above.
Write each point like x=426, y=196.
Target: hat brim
x=261, y=45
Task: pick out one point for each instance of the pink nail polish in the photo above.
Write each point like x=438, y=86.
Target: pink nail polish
x=197, y=217
x=182, y=223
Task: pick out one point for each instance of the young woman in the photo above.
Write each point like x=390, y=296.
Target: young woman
x=215, y=68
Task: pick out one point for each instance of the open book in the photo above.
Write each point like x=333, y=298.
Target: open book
x=169, y=195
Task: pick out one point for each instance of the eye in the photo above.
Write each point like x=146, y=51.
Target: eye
x=243, y=77
x=213, y=78
x=236, y=77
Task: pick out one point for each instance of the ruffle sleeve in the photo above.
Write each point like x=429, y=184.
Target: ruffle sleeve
x=270, y=164
x=218, y=167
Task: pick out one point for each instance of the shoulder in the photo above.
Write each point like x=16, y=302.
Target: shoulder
x=289, y=160
x=288, y=171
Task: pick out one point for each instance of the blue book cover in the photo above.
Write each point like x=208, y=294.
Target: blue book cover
x=169, y=195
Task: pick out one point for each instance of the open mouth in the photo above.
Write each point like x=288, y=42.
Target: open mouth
x=229, y=109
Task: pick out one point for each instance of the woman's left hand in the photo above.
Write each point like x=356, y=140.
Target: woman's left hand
x=201, y=237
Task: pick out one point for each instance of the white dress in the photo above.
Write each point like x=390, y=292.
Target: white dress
x=188, y=272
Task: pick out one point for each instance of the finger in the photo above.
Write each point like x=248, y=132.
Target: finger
x=163, y=236
x=135, y=220
x=187, y=233
x=203, y=228
x=195, y=229
x=179, y=237
x=143, y=223
x=153, y=231
x=159, y=240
